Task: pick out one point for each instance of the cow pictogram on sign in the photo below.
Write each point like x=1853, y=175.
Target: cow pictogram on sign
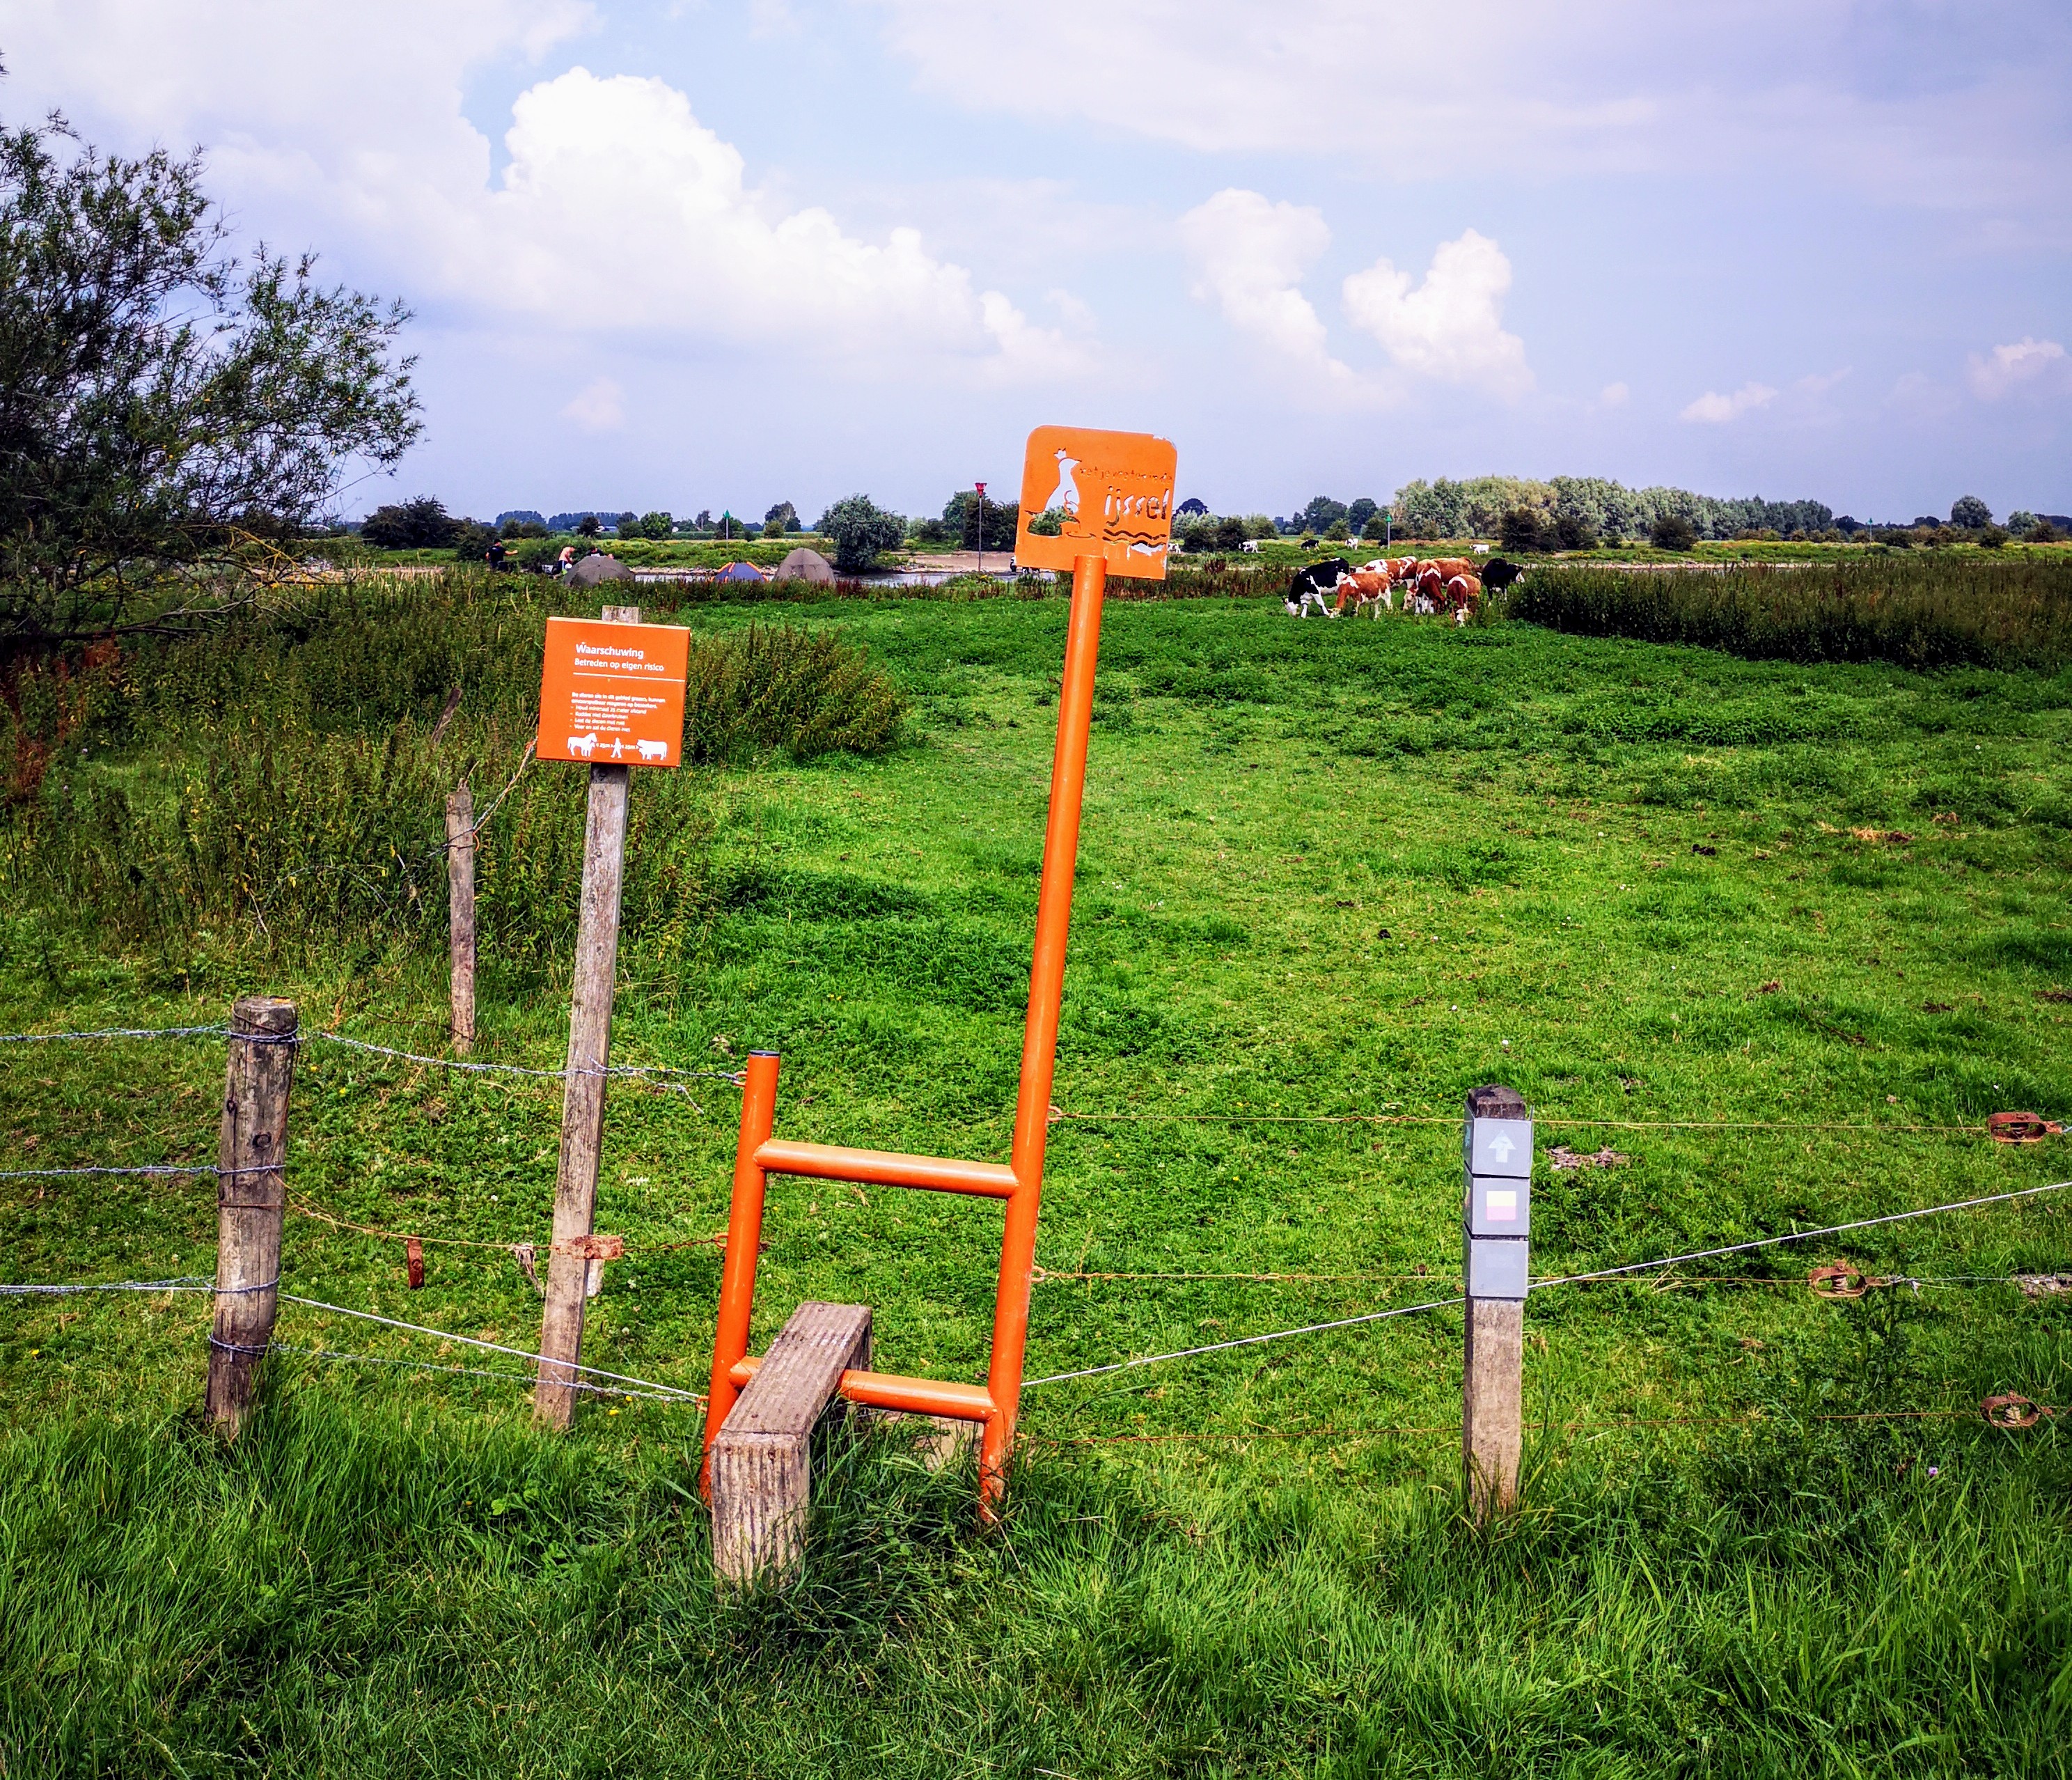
x=1111, y=494
x=613, y=694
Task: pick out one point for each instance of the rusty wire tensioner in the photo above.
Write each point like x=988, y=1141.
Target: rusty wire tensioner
x=2021, y=1128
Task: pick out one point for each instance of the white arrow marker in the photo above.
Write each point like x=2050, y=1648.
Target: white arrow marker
x=1500, y=1146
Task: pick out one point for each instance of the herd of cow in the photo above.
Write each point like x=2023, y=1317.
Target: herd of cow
x=1430, y=584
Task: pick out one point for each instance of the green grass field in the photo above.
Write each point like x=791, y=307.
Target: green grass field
x=1332, y=877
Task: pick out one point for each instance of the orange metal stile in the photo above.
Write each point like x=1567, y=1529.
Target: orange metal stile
x=1020, y=1183
x=744, y=1236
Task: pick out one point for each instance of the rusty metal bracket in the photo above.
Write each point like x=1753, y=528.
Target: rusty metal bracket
x=2009, y=1410
x=2021, y=1128
x=593, y=1248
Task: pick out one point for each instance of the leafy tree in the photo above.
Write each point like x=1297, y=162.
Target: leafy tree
x=1970, y=513
x=2019, y=521
x=523, y=528
x=1375, y=531
x=860, y=529
x=1359, y=512
x=656, y=525
x=704, y=521
x=1229, y=533
x=1322, y=514
x=420, y=524
x=1337, y=531
x=1673, y=532
x=471, y=540
x=1519, y=530
x=1003, y=519
x=1572, y=532
x=781, y=518
x=588, y=525
x=627, y=523
x=2042, y=532
x=1992, y=537
x=165, y=409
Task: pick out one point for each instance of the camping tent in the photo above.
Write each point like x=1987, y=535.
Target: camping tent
x=739, y=571
x=594, y=568
x=805, y=565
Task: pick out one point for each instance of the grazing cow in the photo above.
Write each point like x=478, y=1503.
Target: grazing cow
x=1464, y=593
x=1363, y=588
x=1307, y=587
x=1451, y=566
x=1500, y=573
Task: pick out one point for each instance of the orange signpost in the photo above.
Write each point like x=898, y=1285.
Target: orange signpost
x=1127, y=497
x=613, y=694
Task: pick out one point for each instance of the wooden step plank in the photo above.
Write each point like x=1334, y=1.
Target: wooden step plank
x=762, y=1480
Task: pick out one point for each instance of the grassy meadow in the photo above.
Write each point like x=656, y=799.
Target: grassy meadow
x=1332, y=875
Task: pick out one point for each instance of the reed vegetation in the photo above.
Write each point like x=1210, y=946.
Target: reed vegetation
x=1933, y=612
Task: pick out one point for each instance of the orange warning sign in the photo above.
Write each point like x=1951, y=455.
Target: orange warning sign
x=1109, y=494
x=613, y=693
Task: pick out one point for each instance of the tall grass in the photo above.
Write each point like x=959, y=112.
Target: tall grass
x=1935, y=612
x=287, y=774
x=372, y=1592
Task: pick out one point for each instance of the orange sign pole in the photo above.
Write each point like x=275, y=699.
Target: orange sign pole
x=1121, y=521
x=1039, y=1039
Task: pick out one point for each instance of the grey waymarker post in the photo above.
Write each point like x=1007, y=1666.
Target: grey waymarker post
x=1497, y=1222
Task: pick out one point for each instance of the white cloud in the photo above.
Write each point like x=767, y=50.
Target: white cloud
x=1614, y=395
x=1716, y=409
x=1450, y=327
x=617, y=210
x=1248, y=256
x=598, y=407
x=2025, y=364
x=1821, y=382
x=1626, y=85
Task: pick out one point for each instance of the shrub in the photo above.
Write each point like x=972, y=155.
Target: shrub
x=656, y=524
x=2042, y=532
x=1673, y=532
x=1970, y=513
x=1572, y=532
x=1519, y=530
x=421, y=524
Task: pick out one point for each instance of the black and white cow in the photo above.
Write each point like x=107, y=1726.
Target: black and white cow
x=1317, y=586
x=1498, y=573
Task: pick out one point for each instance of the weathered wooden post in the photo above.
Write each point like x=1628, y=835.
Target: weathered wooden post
x=582, y=1099
x=1496, y=1227
x=251, y=1196
x=460, y=914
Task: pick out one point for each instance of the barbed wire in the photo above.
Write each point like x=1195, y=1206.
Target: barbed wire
x=1573, y=1279
x=476, y=1372
x=1803, y=1236
x=493, y=1347
x=114, y=1032
x=1242, y=1341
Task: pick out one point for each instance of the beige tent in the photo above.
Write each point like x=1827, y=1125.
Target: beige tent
x=805, y=565
x=594, y=568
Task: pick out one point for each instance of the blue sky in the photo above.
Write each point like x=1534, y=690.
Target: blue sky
x=689, y=256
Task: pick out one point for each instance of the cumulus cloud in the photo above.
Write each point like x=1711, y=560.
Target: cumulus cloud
x=618, y=209
x=1716, y=409
x=1614, y=395
x=1248, y=255
x=598, y=407
x=2024, y=364
x=625, y=159
x=1450, y=327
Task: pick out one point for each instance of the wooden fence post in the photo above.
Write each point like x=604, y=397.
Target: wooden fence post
x=583, y=1100
x=460, y=914
x=251, y=1196
x=1495, y=1227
